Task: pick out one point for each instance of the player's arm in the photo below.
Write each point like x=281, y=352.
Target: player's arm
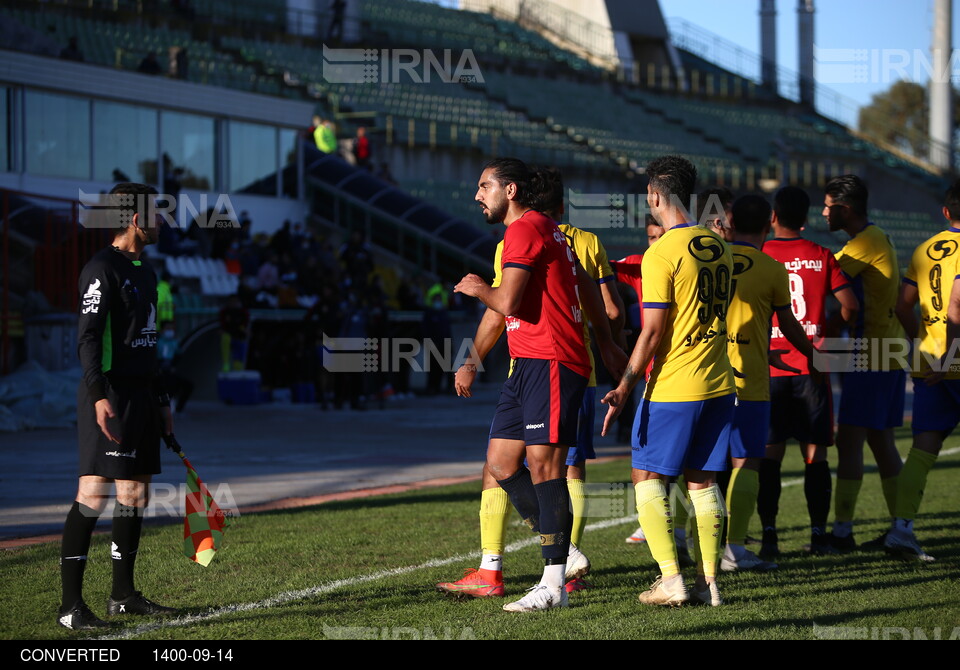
x=615, y=311
x=906, y=302
x=849, y=305
x=95, y=297
x=793, y=331
x=504, y=299
x=488, y=332
x=654, y=326
x=593, y=304
x=612, y=302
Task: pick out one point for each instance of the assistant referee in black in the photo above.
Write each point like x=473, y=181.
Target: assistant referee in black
x=120, y=414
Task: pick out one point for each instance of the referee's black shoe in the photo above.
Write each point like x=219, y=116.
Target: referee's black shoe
x=79, y=617
x=136, y=604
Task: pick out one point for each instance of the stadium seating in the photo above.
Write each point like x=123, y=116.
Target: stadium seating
x=527, y=105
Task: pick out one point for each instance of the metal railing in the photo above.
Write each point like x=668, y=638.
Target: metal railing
x=394, y=235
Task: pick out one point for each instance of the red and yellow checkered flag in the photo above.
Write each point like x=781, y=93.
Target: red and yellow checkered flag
x=204, y=521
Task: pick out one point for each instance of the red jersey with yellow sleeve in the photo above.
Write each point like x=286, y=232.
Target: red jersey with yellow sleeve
x=813, y=274
x=548, y=325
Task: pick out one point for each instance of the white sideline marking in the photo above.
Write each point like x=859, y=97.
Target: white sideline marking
x=301, y=594
x=291, y=596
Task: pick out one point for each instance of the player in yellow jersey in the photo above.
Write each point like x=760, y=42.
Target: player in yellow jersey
x=687, y=409
x=760, y=289
x=936, y=385
x=487, y=581
x=871, y=403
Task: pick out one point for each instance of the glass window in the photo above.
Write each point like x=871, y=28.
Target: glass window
x=253, y=158
x=125, y=143
x=189, y=151
x=58, y=135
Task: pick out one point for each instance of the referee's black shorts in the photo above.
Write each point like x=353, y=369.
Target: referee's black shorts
x=137, y=422
x=801, y=410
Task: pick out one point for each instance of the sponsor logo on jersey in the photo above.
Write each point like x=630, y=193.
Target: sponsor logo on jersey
x=941, y=249
x=148, y=332
x=803, y=264
x=741, y=264
x=122, y=454
x=535, y=426
x=706, y=248
x=91, y=299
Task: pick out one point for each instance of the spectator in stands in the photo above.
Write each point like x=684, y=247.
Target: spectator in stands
x=324, y=135
x=335, y=31
x=150, y=64
x=281, y=242
x=357, y=260
x=328, y=261
x=268, y=276
x=165, y=305
x=361, y=148
x=168, y=351
x=353, y=325
x=180, y=60
x=436, y=333
x=72, y=51
x=328, y=317
x=234, y=320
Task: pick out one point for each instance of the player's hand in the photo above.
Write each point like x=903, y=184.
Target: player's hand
x=105, y=411
x=167, y=415
x=616, y=400
x=470, y=285
x=463, y=379
x=614, y=360
x=774, y=356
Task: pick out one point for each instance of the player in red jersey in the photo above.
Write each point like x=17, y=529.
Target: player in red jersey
x=801, y=404
x=539, y=404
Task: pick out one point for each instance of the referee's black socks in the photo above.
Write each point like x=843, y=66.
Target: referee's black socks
x=81, y=520
x=127, y=523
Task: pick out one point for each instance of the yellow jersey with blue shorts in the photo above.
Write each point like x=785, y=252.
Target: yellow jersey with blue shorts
x=873, y=393
x=685, y=418
x=933, y=268
x=760, y=287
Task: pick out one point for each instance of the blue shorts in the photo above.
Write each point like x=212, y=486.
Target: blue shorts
x=669, y=437
x=751, y=423
x=583, y=450
x=937, y=407
x=872, y=399
x=539, y=403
